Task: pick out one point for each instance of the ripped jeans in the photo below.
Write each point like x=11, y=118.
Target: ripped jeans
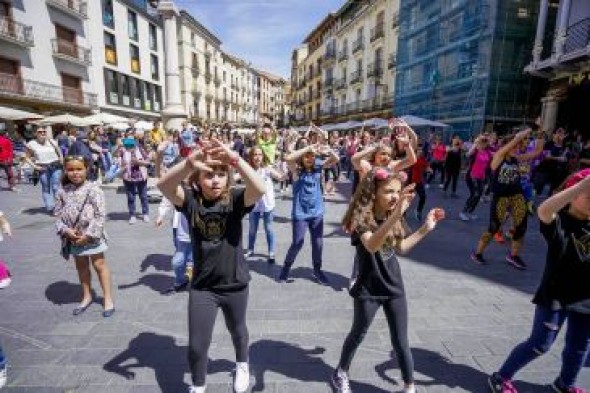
x=546, y=327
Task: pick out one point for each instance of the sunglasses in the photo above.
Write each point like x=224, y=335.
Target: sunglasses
x=41, y=132
x=74, y=158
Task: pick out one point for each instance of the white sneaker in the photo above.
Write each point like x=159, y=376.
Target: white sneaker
x=132, y=220
x=196, y=389
x=242, y=377
x=5, y=282
x=411, y=389
x=146, y=218
x=473, y=216
x=248, y=254
x=3, y=376
x=464, y=216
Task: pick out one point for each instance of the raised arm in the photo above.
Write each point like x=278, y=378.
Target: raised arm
x=169, y=184
x=408, y=161
x=501, y=154
x=434, y=216
x=552, y=205
x=361, y=155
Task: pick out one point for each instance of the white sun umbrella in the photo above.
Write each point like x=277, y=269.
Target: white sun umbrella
x=66, y=119
x=376, y=123
x=119, y=126
x=106, y=118
x=350, y=125
x=16, y=114
x=143, y=125
x=415, y=121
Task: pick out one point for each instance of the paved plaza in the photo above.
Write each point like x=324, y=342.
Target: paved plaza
x=463, y=318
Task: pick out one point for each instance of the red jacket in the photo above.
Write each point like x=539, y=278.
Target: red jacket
x=6, y=152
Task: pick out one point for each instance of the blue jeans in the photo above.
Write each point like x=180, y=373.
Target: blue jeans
x=50, y=180
x=182, y=257
x=546, y=327
x=133, y=188
x=3, y=359
x=270, y=236
x=316, y=231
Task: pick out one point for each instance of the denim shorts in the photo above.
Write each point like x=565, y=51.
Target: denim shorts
x=90, y=248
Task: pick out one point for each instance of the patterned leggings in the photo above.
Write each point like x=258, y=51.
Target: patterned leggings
x=500, y=208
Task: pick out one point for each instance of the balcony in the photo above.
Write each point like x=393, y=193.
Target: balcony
x=377, y=32
x=309, y=76
x=340, y=84
x=395, y=20
x=217, y=81
x=208, y=77
x=343, y=55
x=17, y=89
x=375, y=70
x=578, y=38
x=195, y=71
x=328, y=83
x=329, y=57
x=16, y=32
x=392, y=61
x=76, y=8
x=356, y=77
x=208, y=97
x=71, y=51
x=317, y=95
x=358, y=45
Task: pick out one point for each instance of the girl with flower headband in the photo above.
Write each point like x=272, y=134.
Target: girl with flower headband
x=564, y=293
x=374, y=217
x=381, y=154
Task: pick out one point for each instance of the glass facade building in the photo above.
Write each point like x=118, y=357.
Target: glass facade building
x=462, y=62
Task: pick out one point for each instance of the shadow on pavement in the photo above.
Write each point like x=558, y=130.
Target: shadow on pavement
x=36, y=210
x=335, y=281
x=118, y=216
x=160, y=262
x=63, y=292
x=156, y=282
x=443, y=372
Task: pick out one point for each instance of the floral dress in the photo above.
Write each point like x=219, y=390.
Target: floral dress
x=70, y=204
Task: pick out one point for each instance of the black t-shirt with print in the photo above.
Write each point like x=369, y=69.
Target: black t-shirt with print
x=552, y=166
x=507, y=178
x=566, y=280
x=379, y=275
x=216, y=234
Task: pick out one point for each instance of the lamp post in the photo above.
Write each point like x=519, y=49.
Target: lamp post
x=173, y=113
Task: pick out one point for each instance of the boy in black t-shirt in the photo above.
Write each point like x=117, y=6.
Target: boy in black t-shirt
x=564, y=293
x=214, y=211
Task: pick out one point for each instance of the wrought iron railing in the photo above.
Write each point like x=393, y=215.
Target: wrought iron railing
x=79, y=7
x=375, y=70
x=392, y=62
x=356, y=76
x=71, y=50
x=377, y=32
x=358, y=44
x=343, y=54
x=16, y=31
x=578, y=36
x=10, y=85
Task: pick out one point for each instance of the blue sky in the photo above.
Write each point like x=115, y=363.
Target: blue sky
x=263, y=32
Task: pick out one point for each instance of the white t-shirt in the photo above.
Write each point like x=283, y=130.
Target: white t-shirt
x=267, y=202
x=44, y=154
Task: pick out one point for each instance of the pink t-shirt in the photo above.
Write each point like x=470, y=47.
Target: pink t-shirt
x=480, y=164
x=438, y=152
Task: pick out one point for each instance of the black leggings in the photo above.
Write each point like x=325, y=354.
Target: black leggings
x=475, y=191
x=437, y=166
x=396, y=312
x=202, y=311
x=421, y=196
x=452, y=175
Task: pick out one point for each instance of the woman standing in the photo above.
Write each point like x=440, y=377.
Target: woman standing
x=44, y=155
x=479, y=162
x=453, y=166
x=80, y=212
x=135, y=160
x=564, y=293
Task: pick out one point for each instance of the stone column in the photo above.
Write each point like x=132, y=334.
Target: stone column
x=540, y=34
x=173, y=113
x=549, y=113
x=564, y=15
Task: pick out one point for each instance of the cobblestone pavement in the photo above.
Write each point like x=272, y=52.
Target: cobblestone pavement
x=463, y=318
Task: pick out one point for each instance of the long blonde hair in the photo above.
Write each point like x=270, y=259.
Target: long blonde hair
x=360, y=215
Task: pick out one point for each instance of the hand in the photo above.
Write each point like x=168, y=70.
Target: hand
x=81, y=240
x=406, y=197
x=434, y=216
x=217, y=151
x=522, y=134
x=7, y=230
x=70, y=234
x=159, y=222
x=194, y=162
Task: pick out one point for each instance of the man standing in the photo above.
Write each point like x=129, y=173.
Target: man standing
x=157, y=134
x=7, y=159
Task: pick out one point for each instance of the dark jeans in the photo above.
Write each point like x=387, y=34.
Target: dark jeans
x=546, y=327
x=202, y=311
x=134, y=188
x=437, y=166
x=396, y=312
x=452, y=174
x=421, y=196
x=316, y=231
x=475, y=191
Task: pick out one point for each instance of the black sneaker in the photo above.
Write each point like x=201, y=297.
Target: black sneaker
x=284, y=276
x=478, y=258
x=175, y=289
x=559, y=387
x=320, y=277
x=516, y=261
x=500, y=385
x=271, y=260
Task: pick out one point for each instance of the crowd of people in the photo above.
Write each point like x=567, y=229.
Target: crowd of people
x=211, y=179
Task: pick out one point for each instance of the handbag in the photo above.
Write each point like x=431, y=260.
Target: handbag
x=66, y=244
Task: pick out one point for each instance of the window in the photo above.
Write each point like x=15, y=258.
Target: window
x=125, y=90
x=110, y=48
x=157, y=98
x=153, y=38
x=155, y=68
x=111, y=85
x=134, y=56
x=137, y=93
x=193, y=40
x=147, y=97
x=132, y=25
x=108, y=18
